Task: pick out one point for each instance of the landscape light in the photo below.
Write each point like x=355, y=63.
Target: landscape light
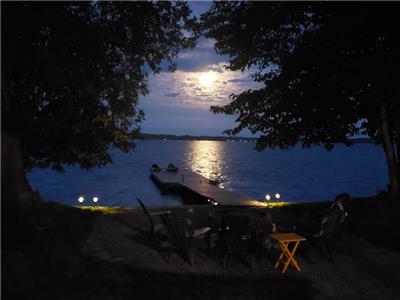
x=277, y=195
x=215, y=203
x=95, y=199
x=267, y=197
x=81, y=199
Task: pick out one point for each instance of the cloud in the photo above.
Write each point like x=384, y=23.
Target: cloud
x=206, y=42
x=185, y=88
x=178, y=102
x=173, y=95
x=240, y=80
x=202, y=57
x=199, y=60
x=220, y=67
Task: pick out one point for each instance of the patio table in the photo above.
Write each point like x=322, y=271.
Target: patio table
x=260, y=221
x=287, y=254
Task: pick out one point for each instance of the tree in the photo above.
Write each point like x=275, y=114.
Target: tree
x=72, y=74
x=329, y=71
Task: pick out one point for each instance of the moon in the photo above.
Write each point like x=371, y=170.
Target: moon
x=207, y=79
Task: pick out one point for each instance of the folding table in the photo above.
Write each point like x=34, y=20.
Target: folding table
x=287, y=254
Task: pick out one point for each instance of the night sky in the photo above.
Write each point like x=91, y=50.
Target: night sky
x=179, y=102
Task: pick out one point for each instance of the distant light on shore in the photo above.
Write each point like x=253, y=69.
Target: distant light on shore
x=95, y=199
x=81, y=199
x=277, y=195
x=267, y=197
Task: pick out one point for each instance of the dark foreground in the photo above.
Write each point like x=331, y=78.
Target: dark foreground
x=57, y=252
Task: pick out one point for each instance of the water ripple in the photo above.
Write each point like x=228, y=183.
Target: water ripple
x=298, y=174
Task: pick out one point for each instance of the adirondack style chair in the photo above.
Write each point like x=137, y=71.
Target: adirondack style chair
x=180, y=234
x=236, y=238
x=330, y=226
x=150, y=216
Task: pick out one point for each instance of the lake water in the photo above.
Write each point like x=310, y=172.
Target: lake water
x=299, y=175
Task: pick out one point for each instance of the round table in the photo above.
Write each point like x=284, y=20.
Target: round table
x=258, y=219
x=254, y=230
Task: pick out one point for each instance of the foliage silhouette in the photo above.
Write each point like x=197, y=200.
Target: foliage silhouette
x=329, y=71
x=73, y=73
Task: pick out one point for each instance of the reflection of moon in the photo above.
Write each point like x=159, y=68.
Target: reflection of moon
x=206, y=158
x=207, y=79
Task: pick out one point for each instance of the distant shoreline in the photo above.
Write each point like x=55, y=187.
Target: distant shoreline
x=173, y=137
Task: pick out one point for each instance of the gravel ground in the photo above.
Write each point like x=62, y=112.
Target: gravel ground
x=77, y=254
x=360, y=270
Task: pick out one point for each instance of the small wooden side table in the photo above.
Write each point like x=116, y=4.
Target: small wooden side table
x=287, y=255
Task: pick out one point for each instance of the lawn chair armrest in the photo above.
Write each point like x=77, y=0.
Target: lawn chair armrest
x=201, y=231
x=163, y=212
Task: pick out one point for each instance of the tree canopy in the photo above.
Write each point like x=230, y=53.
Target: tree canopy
x=326, y=68
x=329, y=71
x=72, y=74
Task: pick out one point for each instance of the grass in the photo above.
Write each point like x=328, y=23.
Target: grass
x=102, y=209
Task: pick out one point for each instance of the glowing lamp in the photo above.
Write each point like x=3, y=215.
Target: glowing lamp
x=95, y=199
x=277, y=195
x=81, y=199
x=267, y=197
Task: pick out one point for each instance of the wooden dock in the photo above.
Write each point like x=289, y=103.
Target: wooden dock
x=199, y=185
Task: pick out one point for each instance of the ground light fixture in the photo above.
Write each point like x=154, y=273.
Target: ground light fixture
x=81, y=199
x=267, y=197
x=277, y=195
x=95, y=199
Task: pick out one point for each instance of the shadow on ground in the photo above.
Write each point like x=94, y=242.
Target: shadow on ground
x=43, y=260
x=57, y=252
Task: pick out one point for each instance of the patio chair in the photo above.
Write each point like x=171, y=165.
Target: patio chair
x=329, y=228
x=153, y=226
x=236, y=238
x=180, y=233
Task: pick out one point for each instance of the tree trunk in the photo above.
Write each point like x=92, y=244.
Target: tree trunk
x=390, y=155
x=15, y=187
x=398, y=145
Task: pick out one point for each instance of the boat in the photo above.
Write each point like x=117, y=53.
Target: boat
x=213, y=181
x=172, y=168
x=155, y=168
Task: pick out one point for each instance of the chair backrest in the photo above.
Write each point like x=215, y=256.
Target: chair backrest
x=179, y=230
x=236, y=231
x=236, y=224
x=330, y=223
x=146, y=212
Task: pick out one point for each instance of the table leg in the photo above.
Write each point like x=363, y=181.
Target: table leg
x=290, y=257
x=279, y=259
